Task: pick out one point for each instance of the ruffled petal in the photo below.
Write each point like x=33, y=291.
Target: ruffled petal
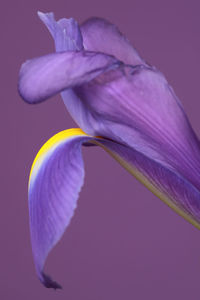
x=55, y=181
x=47, y=75
x=102, y=36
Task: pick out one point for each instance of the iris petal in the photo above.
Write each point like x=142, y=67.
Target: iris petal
x=102, y=36
x=45, y=76
x=57, y=176
x=138, y=108
x=138, y=118
x=65, y=32
x=171, y=187
x=55, y=181
x=131, y=105
x=67, y=37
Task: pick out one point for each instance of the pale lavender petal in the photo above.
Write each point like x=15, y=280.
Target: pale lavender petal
x=102, y=36
x=47, y=75
x=136, y=107
x=65, y=32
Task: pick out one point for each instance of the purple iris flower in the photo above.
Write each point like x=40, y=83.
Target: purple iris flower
x=120, y=103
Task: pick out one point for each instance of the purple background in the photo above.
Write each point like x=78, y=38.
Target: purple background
x=123, y=242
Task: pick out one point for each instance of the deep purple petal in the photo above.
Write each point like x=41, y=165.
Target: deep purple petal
x=166, y=184
x=102, y=36
x=136, y=107
x=47, y=75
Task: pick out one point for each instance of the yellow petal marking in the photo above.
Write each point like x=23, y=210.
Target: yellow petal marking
x=53, y=142
x=70, y=133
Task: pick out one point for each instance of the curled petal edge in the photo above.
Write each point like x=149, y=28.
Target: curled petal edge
x=45, y=76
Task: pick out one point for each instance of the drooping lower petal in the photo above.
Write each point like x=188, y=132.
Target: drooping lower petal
x=168, y=185
x=57, y=176
x=55, y=181
x=42, y=77
x=102, y=36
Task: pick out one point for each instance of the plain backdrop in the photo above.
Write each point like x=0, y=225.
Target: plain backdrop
x=123, y=242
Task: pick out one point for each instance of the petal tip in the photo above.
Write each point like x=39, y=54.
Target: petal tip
x=24, y=89
x=49, y=283
x=42, y=15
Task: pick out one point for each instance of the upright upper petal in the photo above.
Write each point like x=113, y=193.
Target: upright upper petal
x=102, y=36
x=67, y=37
x=137, y=107
x=65, y=32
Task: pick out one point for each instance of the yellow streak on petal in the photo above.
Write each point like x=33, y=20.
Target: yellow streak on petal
x=140, y=177
x=53, y=142
x=70, y=133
